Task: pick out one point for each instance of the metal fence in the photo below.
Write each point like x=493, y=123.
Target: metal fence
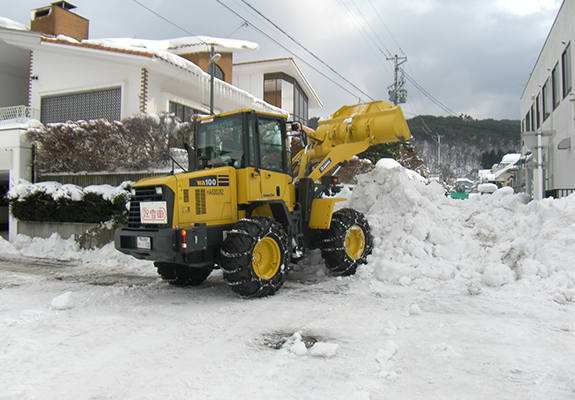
x=558, y=193
x=88, y=179
x=18, y=114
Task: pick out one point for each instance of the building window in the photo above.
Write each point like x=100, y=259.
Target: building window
x=566, y=69
x=273, y=90
x=547, y=107
x=86, y=105
x=528, y=122
x=555, y=86
x=184, y=113
x=283, y=91
x=533, y=116
x=300, y=112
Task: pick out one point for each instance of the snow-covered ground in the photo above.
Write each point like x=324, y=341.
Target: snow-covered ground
x=461, y=299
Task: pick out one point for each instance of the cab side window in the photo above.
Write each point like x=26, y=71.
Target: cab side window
x=271, y=144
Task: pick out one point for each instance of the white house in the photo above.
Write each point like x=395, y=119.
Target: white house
x=548, y=112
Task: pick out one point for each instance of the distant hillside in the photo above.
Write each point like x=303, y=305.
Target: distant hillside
x=467, y=144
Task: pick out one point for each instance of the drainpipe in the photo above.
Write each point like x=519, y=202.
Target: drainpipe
x=538, y=193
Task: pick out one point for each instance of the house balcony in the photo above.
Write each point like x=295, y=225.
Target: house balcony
x=18, y=114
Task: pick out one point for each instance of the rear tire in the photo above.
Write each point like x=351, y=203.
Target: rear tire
x=180, y=274
x=347, y=243
x=254, y=257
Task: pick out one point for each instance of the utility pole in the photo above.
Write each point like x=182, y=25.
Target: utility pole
x=437, y=139
x=397, y=93
x=438, y=148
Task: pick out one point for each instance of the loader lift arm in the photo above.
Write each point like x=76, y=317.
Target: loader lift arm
x=348, y=132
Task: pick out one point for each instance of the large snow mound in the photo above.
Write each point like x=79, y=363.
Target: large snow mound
x=422, y=235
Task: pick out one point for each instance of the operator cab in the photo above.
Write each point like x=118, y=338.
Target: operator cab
x=242, y=139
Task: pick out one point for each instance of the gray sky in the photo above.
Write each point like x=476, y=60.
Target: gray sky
x=473, y=56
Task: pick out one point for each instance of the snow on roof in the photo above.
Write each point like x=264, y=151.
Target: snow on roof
x=183, y=45
x=8, y=23
x=511, y=158
x=168, y=50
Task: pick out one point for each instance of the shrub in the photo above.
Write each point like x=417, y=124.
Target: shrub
x=133, y=144
x=53, y=202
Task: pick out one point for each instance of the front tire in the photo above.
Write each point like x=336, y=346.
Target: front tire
x=181, y=275
x=254, y=257
x=347, y=243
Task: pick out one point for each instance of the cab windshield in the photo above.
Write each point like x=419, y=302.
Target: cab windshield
x=219, y=142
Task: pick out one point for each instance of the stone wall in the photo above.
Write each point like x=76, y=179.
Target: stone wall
x=88, y=236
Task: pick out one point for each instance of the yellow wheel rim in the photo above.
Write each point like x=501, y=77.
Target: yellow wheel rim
x=354, y=242
x=266, y=258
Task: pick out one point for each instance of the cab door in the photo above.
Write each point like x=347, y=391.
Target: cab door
x=273, y=158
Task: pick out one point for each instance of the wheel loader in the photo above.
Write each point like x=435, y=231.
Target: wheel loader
x=248, y=207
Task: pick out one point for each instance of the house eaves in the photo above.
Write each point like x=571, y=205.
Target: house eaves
x=19, y=38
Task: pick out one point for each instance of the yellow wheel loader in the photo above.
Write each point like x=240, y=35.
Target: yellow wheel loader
x=246, y=206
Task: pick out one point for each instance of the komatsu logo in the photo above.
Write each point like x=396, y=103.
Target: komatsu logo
x=325, y=165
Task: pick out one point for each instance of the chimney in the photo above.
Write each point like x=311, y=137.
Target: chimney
x=57, y=19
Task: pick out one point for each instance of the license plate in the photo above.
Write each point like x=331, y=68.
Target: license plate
x=144, y=243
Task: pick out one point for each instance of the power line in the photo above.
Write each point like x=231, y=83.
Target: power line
x=384, y=24
x=433, y=99
x=373, y=30
x=364, y=33
x=302, y=46
x=295, y=55
x=244, y=23
x=168, y=21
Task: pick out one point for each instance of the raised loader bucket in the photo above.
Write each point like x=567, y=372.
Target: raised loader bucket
x=379, y=121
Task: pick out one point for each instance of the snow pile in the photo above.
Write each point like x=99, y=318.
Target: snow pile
x=63, y=301
x=68, y=250
x=420, y=235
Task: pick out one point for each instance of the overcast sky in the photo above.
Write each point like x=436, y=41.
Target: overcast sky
x=473, y=56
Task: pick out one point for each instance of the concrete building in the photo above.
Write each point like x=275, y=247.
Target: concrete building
x=548, y=112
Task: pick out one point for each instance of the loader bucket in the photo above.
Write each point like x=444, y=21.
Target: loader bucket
x=379, y=121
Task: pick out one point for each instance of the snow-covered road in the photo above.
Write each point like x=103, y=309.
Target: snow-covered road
x=434, y=314
x=148, y=340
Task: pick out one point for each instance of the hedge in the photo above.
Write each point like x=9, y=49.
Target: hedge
x=52, y=202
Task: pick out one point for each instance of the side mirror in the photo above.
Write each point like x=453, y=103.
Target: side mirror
x=191, y=157
x=303, y=137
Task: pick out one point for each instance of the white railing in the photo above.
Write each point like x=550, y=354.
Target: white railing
x=18, y=114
